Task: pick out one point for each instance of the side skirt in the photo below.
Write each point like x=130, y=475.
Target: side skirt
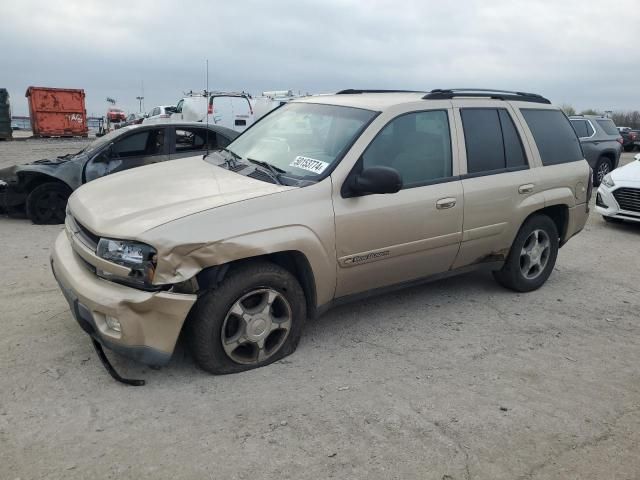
x=322, y=309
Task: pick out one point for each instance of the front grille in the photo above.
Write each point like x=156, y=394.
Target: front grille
x=628, y=198
x=85, y=235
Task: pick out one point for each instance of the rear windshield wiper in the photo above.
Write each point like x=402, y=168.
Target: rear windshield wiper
x=275, y=171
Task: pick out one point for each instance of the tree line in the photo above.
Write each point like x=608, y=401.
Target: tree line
x=621, y=119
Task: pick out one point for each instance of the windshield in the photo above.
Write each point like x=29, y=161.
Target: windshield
x=302, y=139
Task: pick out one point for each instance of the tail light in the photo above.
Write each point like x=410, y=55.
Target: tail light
x=632, y=136
x=165, y=116
x=589, y=186
x=620, y=140
x=210, y=109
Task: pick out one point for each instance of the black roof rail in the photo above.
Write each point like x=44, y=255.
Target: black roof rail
x=448, y=93
x=350, y=91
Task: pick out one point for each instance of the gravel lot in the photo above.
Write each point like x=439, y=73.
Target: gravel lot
x=458, y=379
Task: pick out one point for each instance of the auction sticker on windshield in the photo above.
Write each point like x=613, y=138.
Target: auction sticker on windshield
x=309, y=164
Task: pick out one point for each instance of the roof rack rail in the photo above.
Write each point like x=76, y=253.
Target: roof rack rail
x=350, y=91
x=448, y=93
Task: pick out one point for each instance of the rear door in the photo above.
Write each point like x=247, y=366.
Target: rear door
x=499, y=183
x=242, y=113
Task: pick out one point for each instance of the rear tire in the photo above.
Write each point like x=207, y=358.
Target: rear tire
x=603, y=167
x=532, y=255
x=47, y=203
x=254, y=318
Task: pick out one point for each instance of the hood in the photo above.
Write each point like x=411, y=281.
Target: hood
x=67, y=168
x=629, y=173
x=126, y=204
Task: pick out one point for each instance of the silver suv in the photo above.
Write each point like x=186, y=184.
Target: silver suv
x=324, y=200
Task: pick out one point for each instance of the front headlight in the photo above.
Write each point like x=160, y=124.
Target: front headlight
x=139, y=257
x=608, y=181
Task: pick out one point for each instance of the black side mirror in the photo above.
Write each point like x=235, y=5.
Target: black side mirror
x=375, y=180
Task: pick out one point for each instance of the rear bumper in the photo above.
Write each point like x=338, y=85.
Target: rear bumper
x=150, y=321
x=577, y=219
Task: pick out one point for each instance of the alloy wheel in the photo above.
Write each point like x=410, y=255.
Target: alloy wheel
x=534, y=255
x=603, y=170
x=256, y=326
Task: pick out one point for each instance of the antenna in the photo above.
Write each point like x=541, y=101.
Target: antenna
x=206, y=96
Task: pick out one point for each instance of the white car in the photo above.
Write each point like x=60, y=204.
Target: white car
x=618, y=196
x=160, y=114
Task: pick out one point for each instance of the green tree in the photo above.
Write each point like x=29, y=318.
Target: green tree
x=568, y=109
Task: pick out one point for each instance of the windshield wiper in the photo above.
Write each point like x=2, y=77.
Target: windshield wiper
x=229, y=161
x=275, y=171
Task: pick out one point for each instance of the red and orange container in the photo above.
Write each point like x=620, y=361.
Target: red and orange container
x=57, y=112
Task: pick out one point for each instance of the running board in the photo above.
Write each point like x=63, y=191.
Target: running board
x=111, y=370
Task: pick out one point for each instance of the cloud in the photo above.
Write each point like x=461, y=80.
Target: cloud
x=573, y=51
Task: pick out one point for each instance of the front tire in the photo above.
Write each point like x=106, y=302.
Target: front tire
x=47, y=203
x=532, y=255
x=254, y=318
x=603, y=167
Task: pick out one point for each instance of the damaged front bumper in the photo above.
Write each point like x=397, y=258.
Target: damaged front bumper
x=149, y=322
x=11, y=195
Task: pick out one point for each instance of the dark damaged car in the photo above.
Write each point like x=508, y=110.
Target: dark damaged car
x=41, y=188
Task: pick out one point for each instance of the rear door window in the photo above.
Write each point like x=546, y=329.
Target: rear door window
x=492, y=141
x=555, y=137
x=580, y=126
x=590, y=130
x=608, y=126
x=194, y=139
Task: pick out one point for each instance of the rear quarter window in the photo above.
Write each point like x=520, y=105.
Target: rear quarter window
x=580, y=126
x=608, y=126
x=555, y=137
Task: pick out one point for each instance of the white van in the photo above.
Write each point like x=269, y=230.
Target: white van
x=230, y=110
x=190, y=109
x=270, y=100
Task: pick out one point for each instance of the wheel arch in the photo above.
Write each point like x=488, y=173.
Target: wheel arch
x=30, y=180
x=294, y=261
x=559, y=213
x=609, y=155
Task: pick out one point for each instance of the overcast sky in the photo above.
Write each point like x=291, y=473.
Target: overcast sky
x=581, y=52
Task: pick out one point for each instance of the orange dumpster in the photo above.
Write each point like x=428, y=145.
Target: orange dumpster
x=57, y=112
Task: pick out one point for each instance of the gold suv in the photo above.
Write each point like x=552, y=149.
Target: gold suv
x=326, y=199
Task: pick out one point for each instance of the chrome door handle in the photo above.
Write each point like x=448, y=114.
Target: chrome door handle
x=445, y=203
x=527, y=188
